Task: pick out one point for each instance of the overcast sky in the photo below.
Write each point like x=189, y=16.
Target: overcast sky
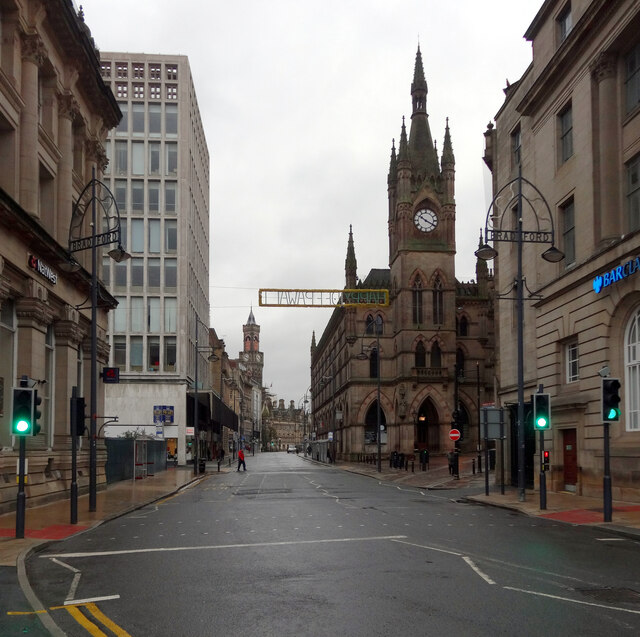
x=300, y=100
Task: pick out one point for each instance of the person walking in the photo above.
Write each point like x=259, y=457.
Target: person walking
x=241, y=462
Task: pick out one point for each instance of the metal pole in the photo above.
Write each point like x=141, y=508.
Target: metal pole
x=74, y=457
x=486, y=453
x=478, y=446
x=520, y=319
x=94, y=351
x=21, y=501
x=543, y=475
x=195, y=407
x=378, y=375
x=606, y=479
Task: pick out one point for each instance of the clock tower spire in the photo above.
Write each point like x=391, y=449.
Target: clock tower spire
x=251, y=356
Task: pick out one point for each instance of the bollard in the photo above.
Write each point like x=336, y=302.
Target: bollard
x=473, y=466
x=412, y=471
x=218, y=466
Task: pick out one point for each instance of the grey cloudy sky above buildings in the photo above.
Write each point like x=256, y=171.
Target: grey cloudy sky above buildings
x=300, y=100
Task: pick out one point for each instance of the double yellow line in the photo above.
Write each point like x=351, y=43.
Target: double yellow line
x=83, y=620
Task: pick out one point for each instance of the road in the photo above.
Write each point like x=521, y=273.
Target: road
x=292, y=547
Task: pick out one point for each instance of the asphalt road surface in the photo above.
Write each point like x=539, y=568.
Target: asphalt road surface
x=292, y=547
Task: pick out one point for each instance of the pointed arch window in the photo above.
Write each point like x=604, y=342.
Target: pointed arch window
x=632, y=372
x=370, y=324
x=463, y=327
x=417, y=300
x=420, y=355
x=373, y=363
x=460, y=362
x=438, y=302
x=436, y=355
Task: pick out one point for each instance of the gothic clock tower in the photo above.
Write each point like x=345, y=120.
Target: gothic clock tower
x=251, y=356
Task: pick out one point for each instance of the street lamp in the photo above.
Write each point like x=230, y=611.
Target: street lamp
x=305, y=402
x=362, y=356
x=95, y=194
x=541, y=230
x=197, y=350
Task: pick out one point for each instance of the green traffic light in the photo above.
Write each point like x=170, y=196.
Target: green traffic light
x=541, y=423
x=22, y=426
x=613, y=414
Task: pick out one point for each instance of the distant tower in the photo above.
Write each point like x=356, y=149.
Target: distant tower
x=251, y=355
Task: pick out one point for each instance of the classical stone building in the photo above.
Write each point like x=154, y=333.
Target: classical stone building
x=284, y=425
x=571, y=123
x=55, y=113
x=433, y=343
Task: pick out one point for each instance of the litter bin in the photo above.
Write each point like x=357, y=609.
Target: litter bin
x=202, y=465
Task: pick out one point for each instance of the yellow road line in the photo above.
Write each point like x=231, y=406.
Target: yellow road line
x=25, y=612
x=89, y=626
x=111, y=625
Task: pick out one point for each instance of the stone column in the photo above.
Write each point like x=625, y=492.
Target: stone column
x=33, y=55
x=609, y=218
x=67, y=109
x=68, y=338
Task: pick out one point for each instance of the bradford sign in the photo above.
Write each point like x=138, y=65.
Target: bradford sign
x=106, y=238
x=616, y=274
x=528, y=236
x=322, y=298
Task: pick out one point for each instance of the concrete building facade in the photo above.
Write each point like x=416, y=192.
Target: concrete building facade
x=159, y=174
x=571, y=123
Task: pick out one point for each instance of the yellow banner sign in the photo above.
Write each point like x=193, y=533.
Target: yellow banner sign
x=270, y=297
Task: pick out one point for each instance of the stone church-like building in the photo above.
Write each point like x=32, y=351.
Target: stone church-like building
x=434, y=342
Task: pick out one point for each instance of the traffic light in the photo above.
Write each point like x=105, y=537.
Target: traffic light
x=541, y=411
x=77, y=406
x=37, y=401
x=545, y=460
x=22, y=417
x=611, y=399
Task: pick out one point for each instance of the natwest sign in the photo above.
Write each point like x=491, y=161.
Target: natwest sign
x=42, y=269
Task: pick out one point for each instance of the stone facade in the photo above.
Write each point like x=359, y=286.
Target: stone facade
x=54, y=116
x=572, y=123
x=434, y=342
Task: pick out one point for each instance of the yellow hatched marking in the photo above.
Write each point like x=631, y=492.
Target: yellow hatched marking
x=25, y=612
x=89, y=626
x=111, y=625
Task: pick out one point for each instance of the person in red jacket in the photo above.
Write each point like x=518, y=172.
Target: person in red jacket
x=241, y=462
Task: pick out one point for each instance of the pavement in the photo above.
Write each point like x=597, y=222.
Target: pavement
x=50, y=522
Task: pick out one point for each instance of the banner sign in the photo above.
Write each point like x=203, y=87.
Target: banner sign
x=272, y=297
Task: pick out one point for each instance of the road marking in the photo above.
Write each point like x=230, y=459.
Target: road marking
x=111, y=625
x=233, y=546
x=573, y=601
x=484, y=576
x=89, y=600
x=89, y=626
x=611, y=539
x=76, y=578
x=429, y=548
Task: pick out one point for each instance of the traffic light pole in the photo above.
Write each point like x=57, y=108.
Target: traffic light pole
x=543, y=474
x=20, y=504
x=606, y=479
x=74, y=456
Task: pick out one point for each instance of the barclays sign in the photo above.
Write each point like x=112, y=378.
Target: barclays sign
x=616, y=274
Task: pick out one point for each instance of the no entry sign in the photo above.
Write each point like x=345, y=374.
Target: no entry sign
x=454, y=434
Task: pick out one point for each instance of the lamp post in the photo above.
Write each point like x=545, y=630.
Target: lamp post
x=377, y=322
x=540, y=231
x=94, y=194
x=304, y=402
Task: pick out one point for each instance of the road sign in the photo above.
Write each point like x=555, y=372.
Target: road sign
x=454, y=434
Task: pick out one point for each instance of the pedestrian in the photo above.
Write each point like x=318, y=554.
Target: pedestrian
x=450, y=458
x=241, y=462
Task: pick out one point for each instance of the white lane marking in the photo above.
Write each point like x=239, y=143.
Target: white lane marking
x=484, y=576
x=611, y=539
x=74, y=582
x=228, y=546
x=573, y=601
x=90, y=600
x=429, y=548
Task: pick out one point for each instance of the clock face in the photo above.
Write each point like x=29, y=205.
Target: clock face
x=258, y=357
x=245, y=357
x=426, y=220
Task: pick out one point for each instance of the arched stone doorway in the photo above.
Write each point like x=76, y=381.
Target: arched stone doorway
x=371, y=425
x=428, y=427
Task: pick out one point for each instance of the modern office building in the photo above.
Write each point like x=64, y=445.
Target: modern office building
x=159, y=174
x=571, y=124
